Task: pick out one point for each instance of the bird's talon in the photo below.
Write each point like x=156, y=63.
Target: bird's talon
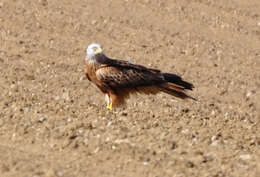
x=109, y=106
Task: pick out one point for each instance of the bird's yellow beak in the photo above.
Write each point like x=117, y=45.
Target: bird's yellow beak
x=99, y=50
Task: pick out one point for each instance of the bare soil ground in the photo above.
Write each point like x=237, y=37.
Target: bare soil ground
x=53, y=122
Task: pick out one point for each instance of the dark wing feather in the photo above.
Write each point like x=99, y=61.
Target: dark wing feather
x=102, y=59
x=128, y=77
x=173, y=78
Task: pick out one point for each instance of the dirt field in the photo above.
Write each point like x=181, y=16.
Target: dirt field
x=53, y=122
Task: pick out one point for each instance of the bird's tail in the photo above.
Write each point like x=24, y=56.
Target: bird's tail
x=176, y=86
x=173, y=78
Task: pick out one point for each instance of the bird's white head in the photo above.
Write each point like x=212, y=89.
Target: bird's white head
x=92, y=50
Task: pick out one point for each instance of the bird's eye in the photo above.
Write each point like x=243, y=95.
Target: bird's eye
x=95, y=48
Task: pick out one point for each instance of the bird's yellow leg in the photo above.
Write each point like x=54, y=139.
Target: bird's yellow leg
x=109, y=102
x=109, y=106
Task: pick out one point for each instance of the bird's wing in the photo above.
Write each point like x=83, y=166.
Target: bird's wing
x=124, y=77
x=127, y=64
x=103, y=60
x=127, y=75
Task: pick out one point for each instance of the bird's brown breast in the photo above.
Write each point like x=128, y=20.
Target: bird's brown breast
x=91, y=68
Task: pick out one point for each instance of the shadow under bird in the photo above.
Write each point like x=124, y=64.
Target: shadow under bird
x=117, y=79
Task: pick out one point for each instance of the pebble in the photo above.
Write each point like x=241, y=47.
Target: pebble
x=214, y=143
x=185, y=131
x=81, y=78
x=248, y=94
x=245, y=157
x=65, y=96
x=43, y=118
x=81, y=132
x=96, y=150
x=145, y=163
x=57, y=98
x=94, y=22
x=26, y=110
x=59, y=173
x=85, y=141
x=12, y=86
x=213, y=138
x=109, y=124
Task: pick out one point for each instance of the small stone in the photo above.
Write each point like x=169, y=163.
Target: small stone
x=59, y=173
x=12, y=86
x=43, y=118
x=245, y=157
x=213, y=138
x=109, y=124
x=85, y=141
x=94, y=22
x=81, y=78
x=26, y=110
x=65, y=96
x=214, y=143
x=248, y=94
x=195, y=139
x=145, y=163
x=107, y=139
x=185, y=131
x=96, y=150
x=57, y=98
x=81, y=132
x=1, y=4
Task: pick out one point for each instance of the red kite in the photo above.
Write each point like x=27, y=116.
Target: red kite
x=117, y=79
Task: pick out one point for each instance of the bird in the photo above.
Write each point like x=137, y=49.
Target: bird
x=118, y=79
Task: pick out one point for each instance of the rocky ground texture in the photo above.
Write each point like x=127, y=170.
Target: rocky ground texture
x=53, y=122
